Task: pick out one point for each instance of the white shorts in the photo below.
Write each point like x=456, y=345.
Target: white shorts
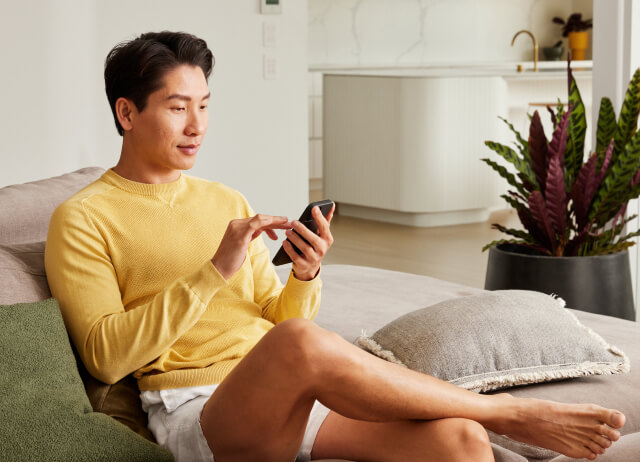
x=174, y=420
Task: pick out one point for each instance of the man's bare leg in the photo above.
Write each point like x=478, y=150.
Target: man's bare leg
x=260, y=410
x=440, y=440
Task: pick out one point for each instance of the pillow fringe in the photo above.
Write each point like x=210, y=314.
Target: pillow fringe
x=583, y=369
x=369, y=344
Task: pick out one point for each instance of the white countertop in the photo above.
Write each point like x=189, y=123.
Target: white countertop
x=546, y=70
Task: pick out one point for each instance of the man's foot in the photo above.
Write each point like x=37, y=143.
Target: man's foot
x=575, y=430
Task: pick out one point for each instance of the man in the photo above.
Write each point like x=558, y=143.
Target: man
x=166, y=276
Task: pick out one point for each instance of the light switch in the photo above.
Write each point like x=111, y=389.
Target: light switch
x=269, y=34
x=270, y=6
x=270, y=68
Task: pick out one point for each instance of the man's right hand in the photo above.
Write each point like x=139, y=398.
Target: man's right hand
x=233, y=248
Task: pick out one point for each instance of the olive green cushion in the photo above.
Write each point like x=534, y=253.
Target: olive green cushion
x=46, y=414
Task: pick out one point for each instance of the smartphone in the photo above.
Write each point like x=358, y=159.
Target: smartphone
x=306, y=219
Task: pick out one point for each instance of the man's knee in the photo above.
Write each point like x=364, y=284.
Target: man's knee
x=473, y=441
x=304, y=344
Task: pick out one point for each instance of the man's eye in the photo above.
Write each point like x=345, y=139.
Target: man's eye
x=178, y=109
x=203, y=107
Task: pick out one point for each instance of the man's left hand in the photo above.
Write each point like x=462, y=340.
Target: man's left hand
x=307, y=265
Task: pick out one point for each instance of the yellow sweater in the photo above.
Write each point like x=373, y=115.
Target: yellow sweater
x=130, y=265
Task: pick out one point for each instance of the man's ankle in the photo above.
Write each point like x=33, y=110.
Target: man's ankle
x=505, y=413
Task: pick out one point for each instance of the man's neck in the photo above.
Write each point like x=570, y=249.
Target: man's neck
x=144, y=173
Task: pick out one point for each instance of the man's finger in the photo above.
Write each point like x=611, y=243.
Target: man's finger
x=272, y=234
x=262, y=221
x=323, y=224
x=296, y=240
x=255, y=232
x=330, y=214
x=306, y=233
x=293, y=255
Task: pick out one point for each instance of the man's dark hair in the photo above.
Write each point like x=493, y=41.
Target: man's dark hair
x=136, y=68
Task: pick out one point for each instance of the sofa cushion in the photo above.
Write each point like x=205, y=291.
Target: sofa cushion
x=45, y=408
x=22, y=276
x=26, y=208
x=120, y=400
x=496, y=340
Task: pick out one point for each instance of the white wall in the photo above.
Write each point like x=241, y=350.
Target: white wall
x=56, y=118
x=415, y=32
x=616, y=57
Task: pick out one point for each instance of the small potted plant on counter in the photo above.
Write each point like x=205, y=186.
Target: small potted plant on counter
x=576, y=29
x=572, y=208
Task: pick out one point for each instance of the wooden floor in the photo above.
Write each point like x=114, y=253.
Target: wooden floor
x=452, y=253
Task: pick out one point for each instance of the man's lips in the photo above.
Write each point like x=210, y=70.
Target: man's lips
x=189, y=149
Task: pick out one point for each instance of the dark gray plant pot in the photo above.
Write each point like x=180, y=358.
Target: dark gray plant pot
x=599, y=284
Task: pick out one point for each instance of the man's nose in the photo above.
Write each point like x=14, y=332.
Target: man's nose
x=197, y=123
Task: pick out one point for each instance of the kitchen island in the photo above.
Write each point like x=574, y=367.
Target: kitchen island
x=404, y=145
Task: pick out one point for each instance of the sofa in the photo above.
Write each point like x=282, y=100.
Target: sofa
x=355, y=299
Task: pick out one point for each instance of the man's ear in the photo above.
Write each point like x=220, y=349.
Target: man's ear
x=124, y=111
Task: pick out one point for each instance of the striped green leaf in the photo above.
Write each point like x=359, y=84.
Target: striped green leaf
x=577, y=131
x=607, y=127
x=512, y=157
x=512, y=201
x=523, y=145
x=628, y=120
x=504, y=173
x=616, y=183
x=519, y=233
x=611, y=248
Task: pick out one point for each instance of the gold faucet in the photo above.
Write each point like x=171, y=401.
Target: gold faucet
x=535, y=47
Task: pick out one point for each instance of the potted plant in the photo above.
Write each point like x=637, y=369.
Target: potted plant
x=572, y=207
x=576, y=29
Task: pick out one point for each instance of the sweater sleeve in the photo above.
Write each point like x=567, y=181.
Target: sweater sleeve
x=113, y=342
x=298, y=299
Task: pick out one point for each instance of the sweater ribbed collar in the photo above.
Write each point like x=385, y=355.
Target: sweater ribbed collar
x=145, y=189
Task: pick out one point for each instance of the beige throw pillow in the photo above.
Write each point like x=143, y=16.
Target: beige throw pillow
x=496, y=340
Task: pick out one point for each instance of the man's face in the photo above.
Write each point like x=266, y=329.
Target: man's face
x=166, y=135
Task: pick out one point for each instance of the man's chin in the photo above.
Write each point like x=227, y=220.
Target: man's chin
x=186, y=164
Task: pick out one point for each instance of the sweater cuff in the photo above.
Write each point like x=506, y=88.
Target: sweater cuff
x=205, y=282
x=298, y=287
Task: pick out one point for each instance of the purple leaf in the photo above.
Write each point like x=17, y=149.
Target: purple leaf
x=538, y=149
x=572, y=247
x=530, y=225
x=636, y=179
x=605, y=163
x=556, y=196
x=558, y=145
x=583, y=190
x=541, y=216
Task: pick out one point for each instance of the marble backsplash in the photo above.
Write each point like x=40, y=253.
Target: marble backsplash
x=399, y=33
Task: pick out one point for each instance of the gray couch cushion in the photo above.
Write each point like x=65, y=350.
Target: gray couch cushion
x=25, y=209
x=356, y=298
x=22, y=276
x=496, y=340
